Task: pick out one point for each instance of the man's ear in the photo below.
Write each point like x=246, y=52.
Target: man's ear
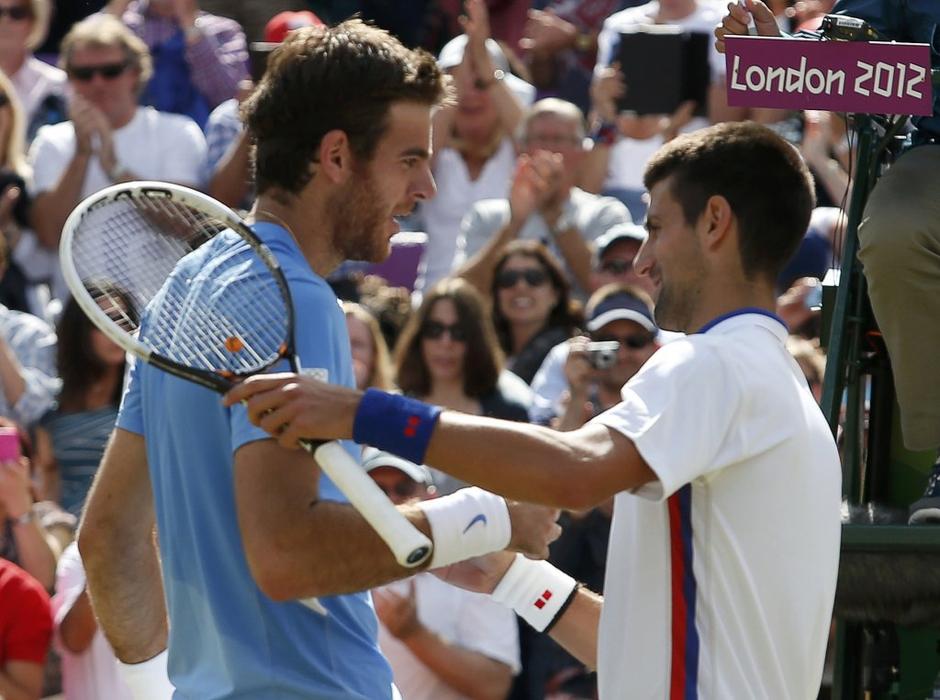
x=717, y=221
x=335, y=156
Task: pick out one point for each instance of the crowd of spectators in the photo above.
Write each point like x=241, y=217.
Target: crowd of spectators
x=526, y=265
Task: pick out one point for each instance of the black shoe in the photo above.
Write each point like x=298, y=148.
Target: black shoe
x=926, y=509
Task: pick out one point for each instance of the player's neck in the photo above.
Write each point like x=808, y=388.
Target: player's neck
x=721, y=299
x=316, y=248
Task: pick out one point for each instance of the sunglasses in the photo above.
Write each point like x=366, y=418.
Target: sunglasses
x=533, y=276
x=4, y=99
x=637, y=341
x=617, y=267
x=433, y=330
x=108, y=71
x=403, y=489
x=17, y=13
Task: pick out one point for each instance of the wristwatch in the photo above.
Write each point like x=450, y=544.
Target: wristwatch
x=583, y=42
x=192, y=33
x=498, y=75
x=27, y=517
x=564, y=222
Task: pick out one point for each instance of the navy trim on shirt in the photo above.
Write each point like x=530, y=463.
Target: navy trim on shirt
x=740, y=312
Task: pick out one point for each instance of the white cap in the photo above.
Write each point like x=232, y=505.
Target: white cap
x=373, y=459
x=452, y=55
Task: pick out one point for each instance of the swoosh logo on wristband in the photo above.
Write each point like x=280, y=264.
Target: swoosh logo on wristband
x=478, y=518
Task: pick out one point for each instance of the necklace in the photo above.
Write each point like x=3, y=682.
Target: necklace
x=274, y=218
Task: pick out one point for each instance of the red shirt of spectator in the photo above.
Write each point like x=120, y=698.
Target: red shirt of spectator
x=25, y=616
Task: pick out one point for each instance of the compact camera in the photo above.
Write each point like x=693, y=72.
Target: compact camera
x=602, y=355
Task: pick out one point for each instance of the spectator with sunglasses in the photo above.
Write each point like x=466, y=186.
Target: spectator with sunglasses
x=109, y=138
x=619, y=314
x=543, y=203
x=613, y=259
x=442, y=642
x=532, y=306
x=448, y=354
x=39, y=86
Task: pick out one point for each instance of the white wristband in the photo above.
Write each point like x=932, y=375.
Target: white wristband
x=536, y=590
x=147, y=680
x=466, y=524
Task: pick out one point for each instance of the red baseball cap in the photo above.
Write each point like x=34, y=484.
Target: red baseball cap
x=279, y=26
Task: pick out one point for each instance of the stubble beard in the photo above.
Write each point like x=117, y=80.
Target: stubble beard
x=358, y=221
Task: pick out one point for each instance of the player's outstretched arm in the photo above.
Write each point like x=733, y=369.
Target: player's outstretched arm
x=575, y=470
x=117, y=543
x=299, y=545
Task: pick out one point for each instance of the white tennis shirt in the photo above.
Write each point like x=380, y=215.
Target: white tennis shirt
x=721, y=574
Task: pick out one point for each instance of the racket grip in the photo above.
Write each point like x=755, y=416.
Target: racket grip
x=410, y=546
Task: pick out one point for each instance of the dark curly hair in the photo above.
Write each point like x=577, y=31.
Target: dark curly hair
x=325, y=78
x=565, y=314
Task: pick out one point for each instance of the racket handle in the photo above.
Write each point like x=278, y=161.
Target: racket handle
x=410, y=546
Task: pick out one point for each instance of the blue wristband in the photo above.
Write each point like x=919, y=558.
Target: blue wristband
x=395, y=423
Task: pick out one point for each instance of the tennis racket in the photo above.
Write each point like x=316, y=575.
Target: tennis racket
x=229, y=319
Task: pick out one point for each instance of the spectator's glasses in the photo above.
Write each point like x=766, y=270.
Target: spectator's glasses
x=17, y=13
x=533, y=276
x=406, y=488
x=432, y=330
x=108, y=71
x=637, y=341
x=617, y=267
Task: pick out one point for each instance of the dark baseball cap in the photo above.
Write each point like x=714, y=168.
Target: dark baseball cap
x=621, y=306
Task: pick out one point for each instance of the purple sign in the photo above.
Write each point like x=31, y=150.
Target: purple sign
x=836, y=76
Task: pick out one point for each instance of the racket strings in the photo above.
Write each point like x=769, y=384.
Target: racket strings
x=128, y=254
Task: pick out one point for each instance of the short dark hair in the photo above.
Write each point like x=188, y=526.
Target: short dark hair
x=483, y=359
x=324, y=78
x=762, y=176
x=567, y=311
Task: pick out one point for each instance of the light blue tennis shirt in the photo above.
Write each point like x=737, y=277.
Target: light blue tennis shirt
x=227, y=638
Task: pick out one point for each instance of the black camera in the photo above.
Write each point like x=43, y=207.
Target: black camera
x=602, y=355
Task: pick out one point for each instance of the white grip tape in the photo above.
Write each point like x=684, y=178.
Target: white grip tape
x=536, y=590
x=147, y=680
x=466, y=524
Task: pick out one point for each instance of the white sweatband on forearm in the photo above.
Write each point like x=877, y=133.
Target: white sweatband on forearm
x=147, y=680
x=537, y=591
x=466, y=524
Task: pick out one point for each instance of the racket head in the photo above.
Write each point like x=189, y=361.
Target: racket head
x=209, y=301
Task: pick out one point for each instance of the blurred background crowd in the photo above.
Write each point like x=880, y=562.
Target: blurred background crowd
x=510, y=294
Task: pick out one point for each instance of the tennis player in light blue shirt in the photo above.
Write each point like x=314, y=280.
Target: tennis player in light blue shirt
x=227, y=638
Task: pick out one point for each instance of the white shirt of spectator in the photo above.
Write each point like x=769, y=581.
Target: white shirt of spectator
x=93, y=674
x=34, y=81
x=456, y=194
x=747, y=463
x=628, y=157
x=470, y=620
x=153, y=145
